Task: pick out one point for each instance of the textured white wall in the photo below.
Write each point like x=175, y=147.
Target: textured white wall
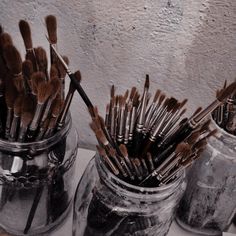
x=187, y=46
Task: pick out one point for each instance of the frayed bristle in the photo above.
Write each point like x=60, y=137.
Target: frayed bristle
x=13, y=59
x=41, y=57
x=26, y=34
x=51, y=24
x=226, y=92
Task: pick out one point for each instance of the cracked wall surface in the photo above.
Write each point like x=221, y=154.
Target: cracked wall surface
x=187, y=47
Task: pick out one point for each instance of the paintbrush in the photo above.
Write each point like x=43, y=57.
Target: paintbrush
x=44, y=91
x=68, y=100
x=42, y=61
x=26, y=35
x=75, y=82
x=138, y=135
x=27, y=70
x=185, y=130
x=16, y=117
x=51, y=25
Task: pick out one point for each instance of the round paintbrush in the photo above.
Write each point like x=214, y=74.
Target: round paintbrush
x=42, y=61
x=27, y=70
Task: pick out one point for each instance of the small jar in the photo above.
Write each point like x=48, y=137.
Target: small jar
x=209, y=204
x=105, y=205
x=36, y=182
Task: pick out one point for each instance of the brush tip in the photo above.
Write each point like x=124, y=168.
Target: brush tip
x=26, y=33
x=51, y=24
x=147, y=83
x=225, y=93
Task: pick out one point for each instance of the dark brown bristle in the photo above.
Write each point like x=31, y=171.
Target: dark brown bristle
x=182, y=112
x=19, y=83
x=13, y=59
x=18, y=105
x=157, y=94
x=107, y=108
x=52, y=123
x=27, y=105
x=197, y=111
x=112, y=152
x=182, y=104
x=54, y=71
x=26, y=118
x=200, y=144
x=36, y=79
x=26, y=34
x=1, y=30
x=93, y=127
x=57, y=106
x=41, y=57
x=193, y=137
x=181, y=147
x=78, y=76
x=27, y=69
x=5, y=40
x=225, y=84
x=112, y=94
x=51, y=24
x=226, y=92
x=44, y=92
x=212, y=133
x=10, y=93
x=123, y=150
x=129, y=107
x=205, y=126
x=146, y=85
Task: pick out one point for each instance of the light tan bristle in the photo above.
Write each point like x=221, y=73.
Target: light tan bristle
x=26, y=34
x=123, y=150
x=51, y=24
x=44, y=92
x=41, y=57
x=17, y=105
x=13, y=59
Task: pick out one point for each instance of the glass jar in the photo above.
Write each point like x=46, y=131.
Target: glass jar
x=209, y=204
x=105, y=205
x=36, y=182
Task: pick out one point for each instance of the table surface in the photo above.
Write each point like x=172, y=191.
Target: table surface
x=84, y=156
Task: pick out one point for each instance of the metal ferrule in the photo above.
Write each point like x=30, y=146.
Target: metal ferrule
x=16, y=165
x=121, y=125
x=22, y=134
x=14, y=126
x=148, y=117
x=111, y=165
x=113, y=122
x=156, y=117
x=35, y=122
x=8, y=121
x=120, y=167
x=141, y=117
x=156, y=129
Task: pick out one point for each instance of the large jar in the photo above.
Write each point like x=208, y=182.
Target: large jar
x=36, y=182
x=105, y=205
x=209, y=204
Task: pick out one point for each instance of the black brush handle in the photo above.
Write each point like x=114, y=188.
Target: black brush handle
x=80, y=90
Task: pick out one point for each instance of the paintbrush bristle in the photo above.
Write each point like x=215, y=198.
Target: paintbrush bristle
x=157, y=94
x=161, y=99
x=54, y=71
x=26, y=34
x=147, y=83
x=132, y=93
x=101, y=137
x=51, y=24
x=57, y=106
x=26, y=118
x=226, y=92
x=78, y=76
x=55, y=86
x=18, y=105
x=112, y=94
x=41, y=57
x=13, y=59
x=27, y=69
x=192, y=139
x=36, y=79
x=181, y=147
x=1, y=29
x=44, y=92
x=112, y=152
x=61, y=69
x=5, y=40
x=19, y=84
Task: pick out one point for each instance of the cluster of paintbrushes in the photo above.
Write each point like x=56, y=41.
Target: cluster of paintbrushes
x=148, y=143
x=32, y=104
x=225, y=114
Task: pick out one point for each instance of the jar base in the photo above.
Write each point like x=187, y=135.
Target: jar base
x=197, y=230
x=47, y=229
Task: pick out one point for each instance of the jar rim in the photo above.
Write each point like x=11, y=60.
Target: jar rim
x=15, y=147
x=136, y=190
x=221, y=129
